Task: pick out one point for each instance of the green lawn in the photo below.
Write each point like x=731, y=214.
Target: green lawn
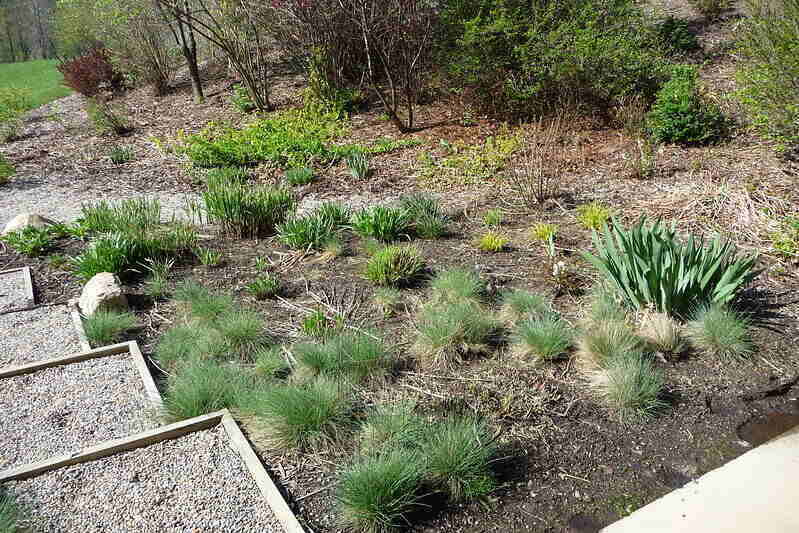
x=40, y=77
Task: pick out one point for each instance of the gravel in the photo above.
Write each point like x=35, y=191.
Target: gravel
x=193, y=483
x=42, y=333
x=65, y=409
x=12, y=292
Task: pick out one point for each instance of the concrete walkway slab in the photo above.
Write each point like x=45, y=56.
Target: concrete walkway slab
x=757, y=492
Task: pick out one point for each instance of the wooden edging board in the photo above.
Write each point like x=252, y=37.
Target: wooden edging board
x=131, y=348
x=265, y=484
x=28, y=281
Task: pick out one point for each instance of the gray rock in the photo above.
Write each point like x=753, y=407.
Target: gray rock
x=27, y=220
x=104, y=291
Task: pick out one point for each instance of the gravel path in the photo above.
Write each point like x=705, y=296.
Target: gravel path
x=65, y=409
x=191, y=484
x=43, y=333
x=12, y=295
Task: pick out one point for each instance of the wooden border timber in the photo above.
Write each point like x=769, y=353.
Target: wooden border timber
x=130, y=347
x=77, y=321
x=28, y=281
x=266, y=486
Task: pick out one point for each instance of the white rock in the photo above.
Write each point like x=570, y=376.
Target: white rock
x=104, y=291
x=26, y=220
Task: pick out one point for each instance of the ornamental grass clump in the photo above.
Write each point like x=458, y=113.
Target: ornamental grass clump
x=519, y=304
x=352, y=355
x=106, y=326
x=389, y=426
x=379, y=492
x=395, y=266
x=199, y=303
x=246, y=211
x=428, y=220
x=541, y=339
x=449, y=331
x=457, y=285
x=599, y=343
x=316, y=229
x=458, y=455
x=384, y=223
x=720, y=332
x=631, y=386
x=10, y=513
x=649, y=266
x=298, y=416
x=203, y=386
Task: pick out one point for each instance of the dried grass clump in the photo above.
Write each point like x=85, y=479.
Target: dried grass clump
x=599, y=343
x=662, y=333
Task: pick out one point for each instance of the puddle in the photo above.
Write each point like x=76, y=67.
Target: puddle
x=762, y=429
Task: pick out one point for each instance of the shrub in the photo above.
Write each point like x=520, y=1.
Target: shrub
x=449, y=331
x=675, y=35
x=379, y=492
x=202, y=387
x=299, y=176
x=648, y=265
x=10, y=512
x=120, y=154
x=106, y=327
x=264, y=287
x=522, y=58
x=720, y=332
x=541, y=339
x=681, y=115
x=769, y=46
x=600, y=343
x=106, y=118
x=519, y=304
x=632, y=386
x=298, y=416
x=457, y=285
x=30, y=241
x=353, y=355
x=395, y=266
x=593, y=215
x=491, y=241
x=386, y=224
x=458, y=453
x=247, y=211
x=428, y=220
x=90, y=73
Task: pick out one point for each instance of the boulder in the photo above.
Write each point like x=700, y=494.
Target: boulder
x=104, y=291
x=27, y=220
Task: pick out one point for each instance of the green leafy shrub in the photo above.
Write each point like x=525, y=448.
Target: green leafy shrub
x=247, y=211
x=106, y=327
x=298, y=416
x=458, y=453
x=355, y=355
x=384, y=223
x=30, y=241
x=395, y=266
x=264, y=287
x=720, y=332
x=379, y=492
x=541, y=339
x=522, y=58
x=649, y=265
x=769, y=47
x=299, y=176
x=120, y=155
x=681, y=115
x=593, y=215
x=632, y=386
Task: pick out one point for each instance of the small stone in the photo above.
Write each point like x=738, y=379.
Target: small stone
x=104, y=291
x=27, y=220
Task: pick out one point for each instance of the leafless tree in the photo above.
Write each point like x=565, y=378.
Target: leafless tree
x=184, y=37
